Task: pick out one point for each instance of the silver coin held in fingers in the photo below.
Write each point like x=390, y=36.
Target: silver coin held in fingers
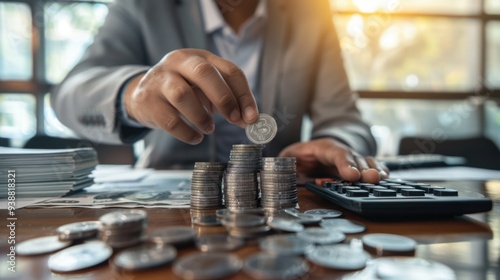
x=263, y=130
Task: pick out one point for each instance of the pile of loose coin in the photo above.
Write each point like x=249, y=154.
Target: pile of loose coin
x=284, y=246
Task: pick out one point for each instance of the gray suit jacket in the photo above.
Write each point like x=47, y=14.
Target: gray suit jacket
x=301, y=73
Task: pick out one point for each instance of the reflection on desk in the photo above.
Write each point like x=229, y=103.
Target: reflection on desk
x=470, y=245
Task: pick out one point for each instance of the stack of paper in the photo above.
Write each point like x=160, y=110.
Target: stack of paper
x=43, y=173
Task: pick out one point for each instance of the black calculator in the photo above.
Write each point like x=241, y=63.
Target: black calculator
x=393, y=198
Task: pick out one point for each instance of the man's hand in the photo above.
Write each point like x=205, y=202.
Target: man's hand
x=330, y=158
x=180, y=93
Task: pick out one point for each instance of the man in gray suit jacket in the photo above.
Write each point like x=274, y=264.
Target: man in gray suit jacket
x=188, y=75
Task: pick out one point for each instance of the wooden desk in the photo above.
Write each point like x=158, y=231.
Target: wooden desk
x=470, y=244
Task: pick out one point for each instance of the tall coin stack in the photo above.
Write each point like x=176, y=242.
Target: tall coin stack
x=278, y=183
x=206, y=188
x=241, y=186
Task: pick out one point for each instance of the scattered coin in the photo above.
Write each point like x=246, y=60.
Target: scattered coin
x=143, y=257
x=123, y=219
x=292, y=211
x=343, y=225
x=307, y=219
x=79, y=257
x=318, y=235
x=221, y=213
x=41, y=245
x=324, y=213
x=176, y=236
x=263, y=130
x=78, y=231
x=265, y=266
x=207, y=266
x=283, y=224
x=219, y=242
x=389, y=242
x=285, y=244
x=339, y=256
x=412, y=268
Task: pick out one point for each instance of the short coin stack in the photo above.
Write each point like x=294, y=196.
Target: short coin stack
x=206, y=188
x=241, y=188
x=278, y=183
x=123, y=228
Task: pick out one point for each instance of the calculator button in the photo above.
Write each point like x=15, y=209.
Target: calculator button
x=386, y=192
x=398, y=188
x=388, y=184
x=344, y=189
x=445, y=192
x=430, y=189
x=358, y=193
x=417, y=185
x=397, y=181
x=412, y=192
x=371, y=188
x=361, y=185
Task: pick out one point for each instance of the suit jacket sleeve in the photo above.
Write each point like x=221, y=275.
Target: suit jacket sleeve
x=86, y=101
x=333, y=106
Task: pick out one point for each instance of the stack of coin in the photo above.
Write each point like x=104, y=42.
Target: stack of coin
x=241, y=188
x=206, y=189
x=245, y=226
x=278, y=183
x=121, y=229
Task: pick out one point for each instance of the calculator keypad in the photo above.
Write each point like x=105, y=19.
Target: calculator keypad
x=388, y=188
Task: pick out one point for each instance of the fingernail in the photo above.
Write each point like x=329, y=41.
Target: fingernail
x=196, y=140
x=235, y=116
x=250, y=113
x=209, y=128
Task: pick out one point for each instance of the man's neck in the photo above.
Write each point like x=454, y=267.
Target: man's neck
x=239, y=14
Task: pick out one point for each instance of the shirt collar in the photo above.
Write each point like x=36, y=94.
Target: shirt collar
x=213, y=20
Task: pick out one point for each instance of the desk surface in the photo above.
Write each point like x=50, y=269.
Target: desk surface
x=470, y=244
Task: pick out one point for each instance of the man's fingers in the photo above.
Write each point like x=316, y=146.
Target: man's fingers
x=343, y=160
x=203, y=74
x=169, y=119
x=382, y=170
x=237, y=82
x=180, y=94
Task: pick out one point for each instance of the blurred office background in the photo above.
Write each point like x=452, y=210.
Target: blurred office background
x=422, y=68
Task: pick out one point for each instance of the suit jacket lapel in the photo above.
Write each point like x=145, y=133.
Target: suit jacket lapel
x=191, y=23
x=272, y=54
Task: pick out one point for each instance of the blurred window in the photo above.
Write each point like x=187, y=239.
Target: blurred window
x=16, y=60
x=69, y=29
x=17, y=115
x=493, y=54
x=410, y=54
x=492, y=6
x=410, y=6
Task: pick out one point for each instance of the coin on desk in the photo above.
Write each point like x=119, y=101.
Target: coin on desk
x=219, y=242
x=285, y=244
x=81, y=256
x=123, y=219
x=339, y=256
x=41, y=245
x=411, y=268
x=324, y=213
x=78, y=231
x=318, y=235
x=283, y=224
x=343, y=225
x=207, y=266
x=143, y=257
x=383, y=242
x=265, y=266
x=176, y=236
x=263, y=130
